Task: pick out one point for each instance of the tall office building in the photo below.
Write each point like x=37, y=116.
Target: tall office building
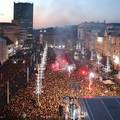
x=23, y=16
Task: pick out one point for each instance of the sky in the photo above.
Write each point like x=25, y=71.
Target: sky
x=48, y=13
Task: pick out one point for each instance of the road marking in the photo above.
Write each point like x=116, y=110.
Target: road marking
x=84, y=109
x=106, y=109
x=89, y=109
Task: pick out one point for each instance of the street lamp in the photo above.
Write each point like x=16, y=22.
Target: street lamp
x=40, y=76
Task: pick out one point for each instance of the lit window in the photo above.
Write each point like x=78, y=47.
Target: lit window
x=100, y=39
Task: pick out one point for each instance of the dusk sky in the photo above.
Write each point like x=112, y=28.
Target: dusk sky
x=63, y=12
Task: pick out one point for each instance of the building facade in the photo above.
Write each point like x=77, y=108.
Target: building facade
x=6, y=48
x=88, y=32
x=109, y=43
x=12, y=32
x=23, y=16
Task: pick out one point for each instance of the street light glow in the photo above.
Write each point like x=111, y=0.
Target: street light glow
x=116, y=59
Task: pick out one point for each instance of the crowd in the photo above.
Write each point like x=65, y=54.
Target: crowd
x=14, y=71
x=56, y=86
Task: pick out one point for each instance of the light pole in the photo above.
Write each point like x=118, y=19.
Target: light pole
x=67, y=108
x=8, y=93
x=28, y=74
x=1, y=76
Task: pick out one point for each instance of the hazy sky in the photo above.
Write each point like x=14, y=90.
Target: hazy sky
x=63, y=12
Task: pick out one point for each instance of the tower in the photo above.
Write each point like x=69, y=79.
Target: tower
x=23, y=16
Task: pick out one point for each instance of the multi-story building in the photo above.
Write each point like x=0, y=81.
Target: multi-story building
x=10, y=30
x=23, y=16
x=102, y=44
x=88, y=32
x=109, y=43
x=6, y=48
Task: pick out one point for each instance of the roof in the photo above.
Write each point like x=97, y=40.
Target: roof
x=23, y=3
x=7, y=24
x=8, y=41
x=113, y=24
x=102, y=108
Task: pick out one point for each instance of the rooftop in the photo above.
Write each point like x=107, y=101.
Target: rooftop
x=103, y=108
x=7, y=24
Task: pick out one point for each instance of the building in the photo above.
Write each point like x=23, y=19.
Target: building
x=23, y=16
x=88, y=32
x=10, y=30
x=65, y=36
x=58, y=37
x=6, y=48
x=109, y=43
x=113, y=28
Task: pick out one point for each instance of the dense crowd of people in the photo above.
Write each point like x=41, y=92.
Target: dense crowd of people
x=56, y=86
x=14, y=72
